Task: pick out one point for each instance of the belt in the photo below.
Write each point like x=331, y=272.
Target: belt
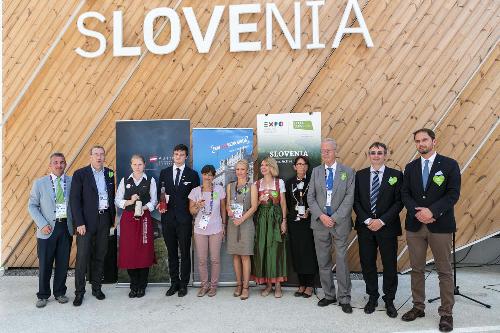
x=64, y=220
x=102, y=211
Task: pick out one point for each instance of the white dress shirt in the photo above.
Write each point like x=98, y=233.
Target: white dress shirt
x=120, y=201
x=431, y=162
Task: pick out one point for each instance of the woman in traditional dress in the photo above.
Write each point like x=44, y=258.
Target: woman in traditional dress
x=269, y=261
x=242, y=203
x=136, y=195
x=208, y=204
x=299, y=228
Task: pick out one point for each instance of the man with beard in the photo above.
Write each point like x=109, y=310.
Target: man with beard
x=431, y=188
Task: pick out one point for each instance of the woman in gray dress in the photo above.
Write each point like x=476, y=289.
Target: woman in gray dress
x=242, y=203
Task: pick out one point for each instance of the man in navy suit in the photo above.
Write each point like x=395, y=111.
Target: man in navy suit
x=177, y=222
x=377, y=203
x=431, y=188
x=92, y=199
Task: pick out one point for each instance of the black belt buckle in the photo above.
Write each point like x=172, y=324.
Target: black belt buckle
x=61, y=220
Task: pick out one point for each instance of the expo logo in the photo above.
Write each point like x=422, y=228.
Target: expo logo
x=272, y=124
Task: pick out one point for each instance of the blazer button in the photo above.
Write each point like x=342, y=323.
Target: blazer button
x=423, y=197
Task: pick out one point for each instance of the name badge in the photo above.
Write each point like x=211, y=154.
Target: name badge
x=61, y=211
x=204, y=222
x=329, y=194
x=103, y=201
x=237, y=209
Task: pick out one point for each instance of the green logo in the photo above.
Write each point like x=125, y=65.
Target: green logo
x=343, y=175
x=393, y=180
x=274, y=194
x=215, y=196
x=305, y=125
x=438, y=180
x=111, y=174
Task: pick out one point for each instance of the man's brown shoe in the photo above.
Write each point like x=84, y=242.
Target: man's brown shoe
x=413, y=314
x=446, y=324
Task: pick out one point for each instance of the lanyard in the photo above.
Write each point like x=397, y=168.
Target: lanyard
x=296, y=188
x=54, y=187
x=203, y=210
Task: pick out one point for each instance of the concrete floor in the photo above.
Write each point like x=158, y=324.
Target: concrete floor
x=224, y=313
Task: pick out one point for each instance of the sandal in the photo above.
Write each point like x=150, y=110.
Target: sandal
x=237, y=290
x=202, y=292
x=212, y=292
x=243, y=296
x=307, y=295
x=300, y=293
x=265, y=292
x=277, y=292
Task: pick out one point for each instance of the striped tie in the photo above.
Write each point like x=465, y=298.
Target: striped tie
x=374, y=194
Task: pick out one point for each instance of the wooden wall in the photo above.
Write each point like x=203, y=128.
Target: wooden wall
x=434, y=64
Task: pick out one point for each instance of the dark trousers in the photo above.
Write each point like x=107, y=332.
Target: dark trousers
x=92, y=248
x=177, y=237
x=138, y=278
x=306, y=280
x=55, y=248
x=388, y=247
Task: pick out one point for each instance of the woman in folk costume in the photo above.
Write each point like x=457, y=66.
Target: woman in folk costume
x=269, y=261
x=136, y=195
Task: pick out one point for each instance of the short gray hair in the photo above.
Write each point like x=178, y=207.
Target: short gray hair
x=330, y=141
x=56, y=154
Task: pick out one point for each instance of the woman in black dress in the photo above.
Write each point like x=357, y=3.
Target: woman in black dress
x=299, y=228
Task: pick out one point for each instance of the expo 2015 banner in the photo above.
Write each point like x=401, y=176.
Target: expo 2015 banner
x=155, y=141
x=286, y=136
x=222, y=148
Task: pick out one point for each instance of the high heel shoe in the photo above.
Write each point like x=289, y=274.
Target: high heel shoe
x=243, y=296
x=237, y=291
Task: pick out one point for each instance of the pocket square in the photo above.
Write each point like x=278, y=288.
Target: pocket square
x=187, y=183
x=439, y=173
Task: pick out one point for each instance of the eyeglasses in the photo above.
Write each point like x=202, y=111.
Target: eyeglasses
x=380, y=153
x=300, y=164
x=327, y=151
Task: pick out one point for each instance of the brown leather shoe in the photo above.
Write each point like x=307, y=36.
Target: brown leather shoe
x=446, y=324
x=413, y=314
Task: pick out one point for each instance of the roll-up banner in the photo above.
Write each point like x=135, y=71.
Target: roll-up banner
x=155, y=141
x=222, y=148
x=284, y=137
x=287, y=135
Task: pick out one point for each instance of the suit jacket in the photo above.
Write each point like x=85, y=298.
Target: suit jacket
x=440, y=195
x=178, y=204
x=389, y=203
x=342, y=198
x=84, y=197
x=42, y=205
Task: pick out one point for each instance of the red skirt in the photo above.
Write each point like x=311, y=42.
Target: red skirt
x=136, y=244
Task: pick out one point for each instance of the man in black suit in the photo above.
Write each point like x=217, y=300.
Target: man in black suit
x=177, y=221
x=431, y=188
x=92, y=199
x=377, y=203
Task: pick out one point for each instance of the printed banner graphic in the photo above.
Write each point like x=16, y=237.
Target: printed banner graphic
x=222, y=148
x=286, y=136
x=155, y=141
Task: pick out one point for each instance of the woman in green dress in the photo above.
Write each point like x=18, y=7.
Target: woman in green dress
x=269, y=261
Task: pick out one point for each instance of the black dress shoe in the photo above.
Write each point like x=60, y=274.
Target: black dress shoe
x=141, y=293
x=98, y=294
x=172, y=290
x=325, y=302
x=370, y=306
x=132, y=293
x=78, y=300
x=182, y=292
x=390, y=309
x=446, y=324
x=346, y=308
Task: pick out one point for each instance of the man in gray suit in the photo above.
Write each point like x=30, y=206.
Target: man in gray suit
x=330, y=198
x=48, y=205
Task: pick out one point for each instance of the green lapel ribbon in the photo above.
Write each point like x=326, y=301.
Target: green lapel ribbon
x=439, y=180
x=393, y=180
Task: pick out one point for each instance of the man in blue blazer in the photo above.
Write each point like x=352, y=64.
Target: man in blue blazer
x=49, y=207
x=92, y=199
x=377, y=203
x=177, y=222
x=431, y=188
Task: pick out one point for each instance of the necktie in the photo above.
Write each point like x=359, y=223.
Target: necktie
x=177, y=176
x=425, y=174
x=374, y=192
x=329, y=187
x=59, y=192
